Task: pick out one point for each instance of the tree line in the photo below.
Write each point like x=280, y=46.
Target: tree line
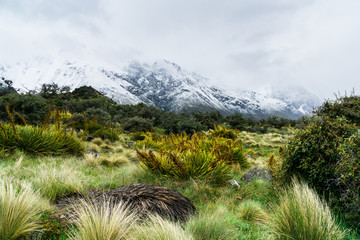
x=86, y=102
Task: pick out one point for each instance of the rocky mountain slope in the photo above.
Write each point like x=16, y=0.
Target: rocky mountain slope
x=162, y=84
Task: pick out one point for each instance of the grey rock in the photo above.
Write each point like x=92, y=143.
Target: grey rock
x=234, y=182
x=257, y=172
x=130, y=144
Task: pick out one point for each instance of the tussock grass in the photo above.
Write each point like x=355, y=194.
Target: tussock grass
x=97, y=141
x=56, y=181
x=106, y=148
x=115, y=160
x=93, y=148
x=20, y=210
x=209, y=226
x=157, y=228
x=302, y=215
x=257, y=189
x=102, y=221
x=252, y=211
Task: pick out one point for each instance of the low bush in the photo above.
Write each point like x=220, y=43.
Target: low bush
x=347, y=106
x=219, y=131
x=313, y=153
x=38, y=141
x=182, y=156
x=197, y=164
x=301, y=214
x=348, y=172
x=138, y=124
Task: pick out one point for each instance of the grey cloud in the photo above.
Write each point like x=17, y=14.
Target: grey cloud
x=247, y=43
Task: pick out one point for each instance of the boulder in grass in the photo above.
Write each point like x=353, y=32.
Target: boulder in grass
x=256, y=173
x=145, y=198
x=141, y=198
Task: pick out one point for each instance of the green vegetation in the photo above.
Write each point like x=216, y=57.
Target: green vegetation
x=158, y=228
x=301, y=214
x=81, y=143
x=103, y=221
x=184, y=157
x=325, y=154
x=20, y=210
x=38, y=141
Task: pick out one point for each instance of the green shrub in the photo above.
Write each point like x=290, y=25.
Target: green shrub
x=348, y=107
x=138, y=124
x=313, y=153
x=227, y=150
x=189, y=164
x=34, y=108
x=20, y=210
x=348, y=172
x=38, y=141
x=301, y=214
x=219, y=131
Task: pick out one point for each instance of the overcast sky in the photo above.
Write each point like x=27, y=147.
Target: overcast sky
x=235, y=43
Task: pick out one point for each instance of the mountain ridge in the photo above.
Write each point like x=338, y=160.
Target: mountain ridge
x=163, y=84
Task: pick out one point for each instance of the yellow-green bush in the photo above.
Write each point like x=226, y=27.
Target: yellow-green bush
x=38, y=141
x=182, y=156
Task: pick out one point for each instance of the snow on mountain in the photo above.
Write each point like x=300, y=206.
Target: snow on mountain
x=162, y=84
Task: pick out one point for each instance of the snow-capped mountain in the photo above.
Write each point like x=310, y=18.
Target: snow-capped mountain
x=162, y=84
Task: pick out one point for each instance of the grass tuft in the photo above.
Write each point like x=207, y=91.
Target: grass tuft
x=57, y=181
x=302, y=215
x=209, y=226
x=102, y=221
x=20, y=210
x=158, y=228
x=252, y=211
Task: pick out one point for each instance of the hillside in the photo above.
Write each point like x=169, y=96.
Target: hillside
x=162, y=84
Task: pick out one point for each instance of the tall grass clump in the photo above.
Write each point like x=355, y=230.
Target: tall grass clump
x=57, y=181
x=158, y=228
x=209, y=226
x=102, y=221
x=20, y=210
x=252, y=211
x=301, y=214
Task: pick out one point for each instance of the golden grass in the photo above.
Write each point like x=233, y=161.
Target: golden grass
x=102, y=221
x=97, y=141
x=20, y=209
x=57, y=180
x=157, y=228
x=302, y=215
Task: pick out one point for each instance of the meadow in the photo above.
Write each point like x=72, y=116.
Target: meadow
x=34, y=177
x=57, y=166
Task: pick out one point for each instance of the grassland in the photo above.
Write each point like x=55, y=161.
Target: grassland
x=225, y=211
